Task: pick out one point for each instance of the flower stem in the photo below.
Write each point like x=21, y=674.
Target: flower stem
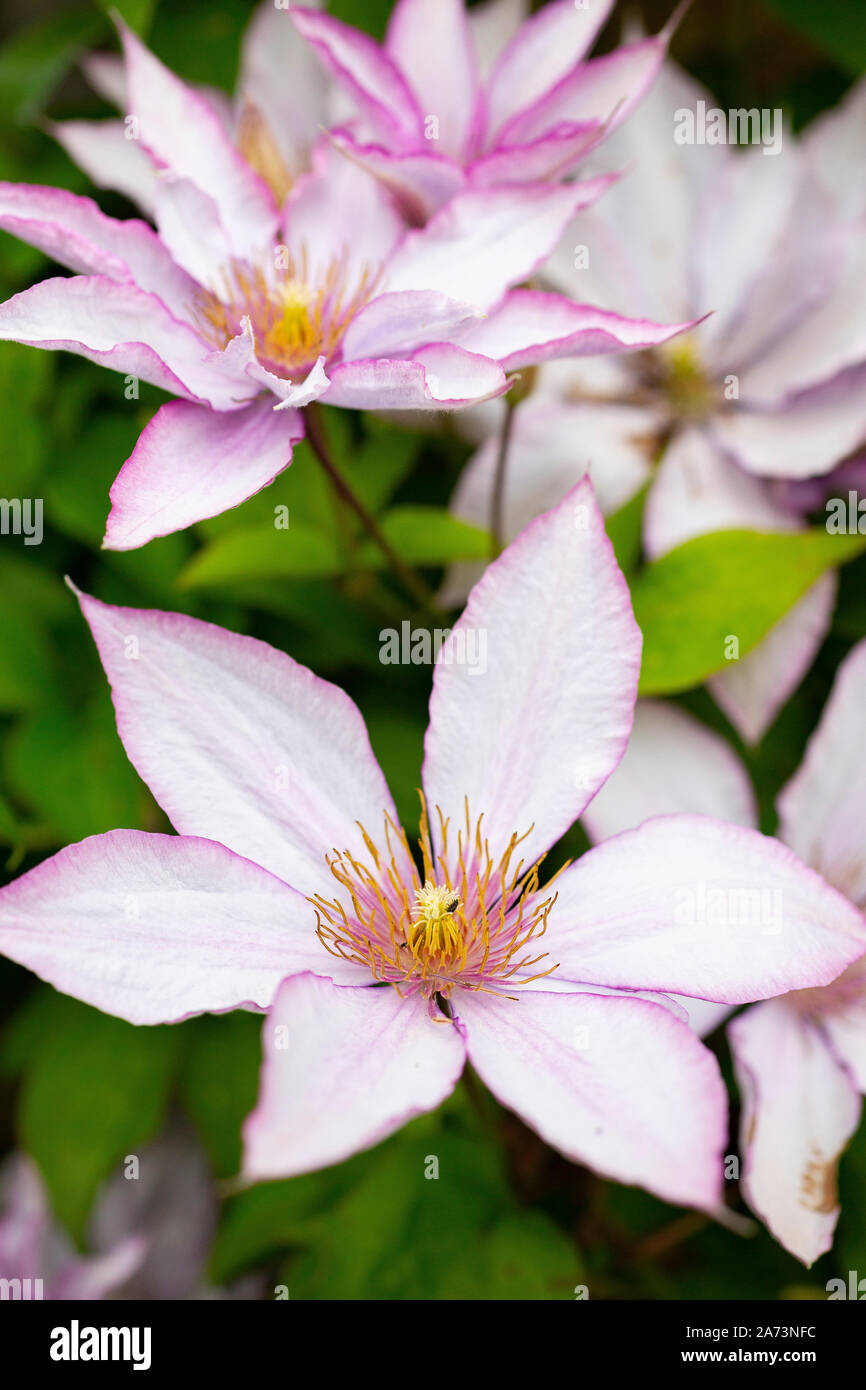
x=497, y=501
x=412, y=582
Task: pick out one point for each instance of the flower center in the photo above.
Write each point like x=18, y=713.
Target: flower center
x=297, y=316
x=471, y=922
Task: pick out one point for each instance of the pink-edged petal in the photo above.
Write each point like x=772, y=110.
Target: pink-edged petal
x=420, y=182
x=394, y=324
x=431, y=44
x=551, y=156
x=74, y=232
x=493, y=24
x=844, y=1022
x=109, y=158
x=25, y=1218
x=835, y=146
x=529, y=326
x=611, y=1081
x=799, y=1111
x=190, y=227
x=182, y=133
x=239, y=743
x=106, y=73
x=530, y=739
x=338, y=213
x=154, y=928
x=482, y=243
x=285, y=81
x=673, y=763
x=439, y=377
x=691, y=905
x=805, y=436
x=820, y=808
x=545, y=49
x=606, y=89
x=367, y=72
x=753, y=689
x=342, y=1069
x=829, y=340
x=191, y=462
x=698, y=489
x=126, y=329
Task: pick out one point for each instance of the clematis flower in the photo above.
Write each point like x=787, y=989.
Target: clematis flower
x=36, y=1252
x=248, y=311
x=283, y=100
x=800, y=1059
x=458, y=99
x=766, y=392
x=292, y=887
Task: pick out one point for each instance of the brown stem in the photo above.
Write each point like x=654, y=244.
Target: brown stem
x=412, y=582
x=497, y=501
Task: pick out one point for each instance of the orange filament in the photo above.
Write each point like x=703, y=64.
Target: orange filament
x=472, y=922
x=295, y=317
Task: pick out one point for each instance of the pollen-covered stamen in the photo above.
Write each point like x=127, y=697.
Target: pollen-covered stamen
x=296, y=315
x=255, y=141
x=472, y=921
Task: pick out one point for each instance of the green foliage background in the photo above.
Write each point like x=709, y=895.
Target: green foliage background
x=508, y=1218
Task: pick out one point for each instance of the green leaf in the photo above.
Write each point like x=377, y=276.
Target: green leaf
x=94, y=1090
x=428, y=536
x=624, y=528
x=728, y=584
x=26, y=377
x=25, y=668
x=34, y=60
x=836, y=25
x=263, y=552
x=72, y=769
x=219, y=1081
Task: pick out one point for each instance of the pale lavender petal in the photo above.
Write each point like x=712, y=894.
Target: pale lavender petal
x=529, y=326
x=394, y=325
x=343, y=1068
x=155, y=928
x=482, y=243
x=805, y=436
x=285, y=80
x=74, y=232
x=606, y=89
x=182, y=133
x=124, y=328
x=799, y=1111
x=547, y=48
x=191, y=462
x=439, y=377
x=419, y=182
x=691, y=905
x=611, y=1081
x=337, y=214
x=820, y=808
x=753, y=689
x=493, y=24
x=109, y=158
x=529, y=736
x=673, y=763
x=431, y=44
x=367, y=73
x=239, y=743
x=551, y=156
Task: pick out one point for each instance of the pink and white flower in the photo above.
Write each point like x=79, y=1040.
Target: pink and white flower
x=291, y=887
x=459, y=99
x=801, y=1058
x=766, y=392
x=34, y=1249
x=247, y=309
x=283, y=100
